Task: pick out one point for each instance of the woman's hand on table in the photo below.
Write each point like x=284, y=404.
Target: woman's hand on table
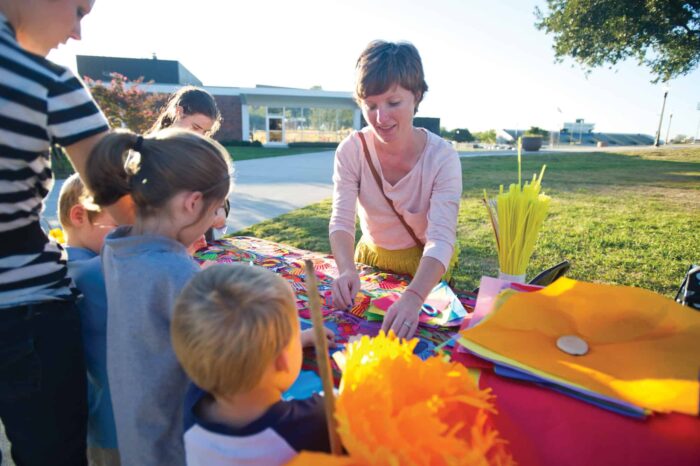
x=345, y=288
x=308, y=337
x=402, y=316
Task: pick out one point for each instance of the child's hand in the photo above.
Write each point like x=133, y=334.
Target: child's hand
x=307, y=337
x=199, y=244
x=219, y=218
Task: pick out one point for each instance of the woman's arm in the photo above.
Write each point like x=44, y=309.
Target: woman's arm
x=346, y=188
x=402, y=316
x=347, y=285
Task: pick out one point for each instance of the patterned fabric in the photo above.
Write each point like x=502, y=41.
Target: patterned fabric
x=288, y=262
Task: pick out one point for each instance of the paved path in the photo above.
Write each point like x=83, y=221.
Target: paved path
x=263, y=188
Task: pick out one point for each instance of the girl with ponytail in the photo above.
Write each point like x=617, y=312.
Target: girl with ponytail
x=177, y=180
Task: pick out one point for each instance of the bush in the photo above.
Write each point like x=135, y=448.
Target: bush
x=536, y=131
x=237, y=143
x=330, y=145
x=60, y=165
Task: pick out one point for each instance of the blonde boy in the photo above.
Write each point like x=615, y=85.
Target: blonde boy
x=236, y=333
x=85, y=227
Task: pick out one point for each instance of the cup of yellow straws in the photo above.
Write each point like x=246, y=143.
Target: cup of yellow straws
x=516, y=217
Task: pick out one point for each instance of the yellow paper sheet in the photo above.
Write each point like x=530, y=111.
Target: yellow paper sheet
x=643, y=348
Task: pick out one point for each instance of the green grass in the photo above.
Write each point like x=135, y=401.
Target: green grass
x=240, y=153
x=626, y=218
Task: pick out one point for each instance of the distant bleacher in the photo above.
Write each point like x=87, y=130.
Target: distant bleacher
x=592, y=139
x=610, y=139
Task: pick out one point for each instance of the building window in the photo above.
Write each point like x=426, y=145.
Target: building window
x=300, y=124
x=258, y=119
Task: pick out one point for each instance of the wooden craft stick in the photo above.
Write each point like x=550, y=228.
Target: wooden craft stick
x=322, y=358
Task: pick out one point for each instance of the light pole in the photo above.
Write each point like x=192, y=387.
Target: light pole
x=697, y=130
x=668, y=128
x=661, y=118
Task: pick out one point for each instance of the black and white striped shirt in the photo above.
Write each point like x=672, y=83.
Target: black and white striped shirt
x=41, y=103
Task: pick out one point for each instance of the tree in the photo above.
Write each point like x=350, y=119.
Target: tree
x=457, y=135
x=125, y=104
x=661, y=34
x=446, y=134
x=486, y=136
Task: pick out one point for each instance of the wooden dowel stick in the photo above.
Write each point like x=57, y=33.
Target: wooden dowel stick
x=322, y=358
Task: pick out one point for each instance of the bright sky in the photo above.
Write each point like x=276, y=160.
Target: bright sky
x=486, y=64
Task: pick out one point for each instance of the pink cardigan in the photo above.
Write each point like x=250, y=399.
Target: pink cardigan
x=427, y=197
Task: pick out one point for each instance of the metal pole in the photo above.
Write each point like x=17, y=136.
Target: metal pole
x=661, y=119
x=668, y=128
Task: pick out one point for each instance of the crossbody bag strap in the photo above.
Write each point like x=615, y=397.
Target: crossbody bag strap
x=381, y=188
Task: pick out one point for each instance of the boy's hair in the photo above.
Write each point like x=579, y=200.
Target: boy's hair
x=229, y=323
x=383, y=65
x=73, y=192
x=192, y=100
x=155, y=168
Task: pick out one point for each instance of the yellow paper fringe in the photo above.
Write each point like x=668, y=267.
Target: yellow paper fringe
x=516, y=217
x=57, y=235
x=396, y=409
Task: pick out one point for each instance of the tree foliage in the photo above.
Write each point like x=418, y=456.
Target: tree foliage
x=457, y=135
x=486, y=136
x=661, y=34
x=125, y=104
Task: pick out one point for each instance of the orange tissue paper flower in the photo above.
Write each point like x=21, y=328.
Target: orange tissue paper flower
x=394, y=408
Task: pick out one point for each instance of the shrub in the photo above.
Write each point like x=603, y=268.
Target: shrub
x=237, y=143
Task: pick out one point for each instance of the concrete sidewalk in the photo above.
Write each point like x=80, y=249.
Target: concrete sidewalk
x=263, y=188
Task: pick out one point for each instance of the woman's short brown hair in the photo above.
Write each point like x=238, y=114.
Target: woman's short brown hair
x=383, y=65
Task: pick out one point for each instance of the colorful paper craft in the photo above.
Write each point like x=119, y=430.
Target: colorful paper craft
x=287, y=262
x=441, y=307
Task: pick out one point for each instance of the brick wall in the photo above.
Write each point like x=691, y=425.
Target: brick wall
x=230, y=107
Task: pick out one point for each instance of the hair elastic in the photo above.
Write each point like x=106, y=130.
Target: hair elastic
x=137, y=145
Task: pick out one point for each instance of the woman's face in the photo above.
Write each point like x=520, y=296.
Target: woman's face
x=196, y=122
x=390, y=114
x=47, y=23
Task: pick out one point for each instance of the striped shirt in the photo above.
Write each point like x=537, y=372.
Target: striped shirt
x=41, y=103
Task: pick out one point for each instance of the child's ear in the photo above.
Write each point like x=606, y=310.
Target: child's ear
x=282, y=362
x=179, y=112
x=78, y=215
x=193, y=201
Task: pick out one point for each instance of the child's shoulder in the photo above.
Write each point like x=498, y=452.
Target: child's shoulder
x=301, y=421
x=82, y=261
x=296, y=424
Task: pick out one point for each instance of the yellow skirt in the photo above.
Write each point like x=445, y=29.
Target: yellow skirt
x=400, y=261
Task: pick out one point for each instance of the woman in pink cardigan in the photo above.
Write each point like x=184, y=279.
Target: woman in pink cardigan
x=406, y=181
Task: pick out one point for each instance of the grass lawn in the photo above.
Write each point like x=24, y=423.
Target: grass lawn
x=627, y=218
x=247, y=153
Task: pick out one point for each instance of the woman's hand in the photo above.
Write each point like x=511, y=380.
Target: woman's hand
x=345, y=288
x=402, y=316
x=308, y=337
